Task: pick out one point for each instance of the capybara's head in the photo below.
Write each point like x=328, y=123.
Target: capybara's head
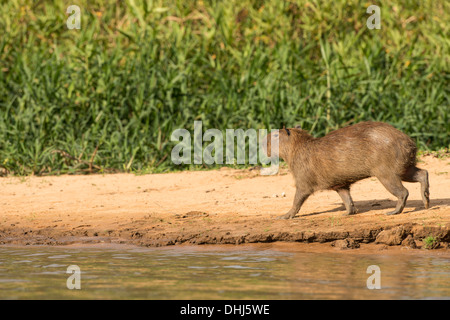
x=276, y=144
x=284, y=142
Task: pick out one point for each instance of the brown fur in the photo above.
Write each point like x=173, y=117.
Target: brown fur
x=348, y=155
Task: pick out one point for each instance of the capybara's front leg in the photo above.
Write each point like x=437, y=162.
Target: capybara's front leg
x=300, y=197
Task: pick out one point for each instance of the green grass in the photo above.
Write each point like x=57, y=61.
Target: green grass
x=108, y=96
x=430, y=242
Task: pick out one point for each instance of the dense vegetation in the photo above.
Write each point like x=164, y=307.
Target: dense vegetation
x=108, y=96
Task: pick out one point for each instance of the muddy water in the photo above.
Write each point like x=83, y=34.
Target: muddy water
x=214, y=273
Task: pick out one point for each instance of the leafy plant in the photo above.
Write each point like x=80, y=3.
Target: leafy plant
x=108, y=96
x=430, y=242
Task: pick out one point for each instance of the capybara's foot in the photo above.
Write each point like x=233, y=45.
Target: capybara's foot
x=351, y=211
x=285, y=216
x=393, y=213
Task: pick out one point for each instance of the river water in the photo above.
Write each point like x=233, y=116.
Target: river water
x=242, y=272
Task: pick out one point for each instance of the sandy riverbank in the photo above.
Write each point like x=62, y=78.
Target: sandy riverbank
x=225, y=206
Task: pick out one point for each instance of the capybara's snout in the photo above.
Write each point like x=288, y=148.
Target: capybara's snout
x=266, y=145
x=271, y=143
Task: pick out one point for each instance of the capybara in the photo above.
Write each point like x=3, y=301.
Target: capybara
x=347, y=155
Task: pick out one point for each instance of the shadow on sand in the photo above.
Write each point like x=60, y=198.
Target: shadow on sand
x=386, y=204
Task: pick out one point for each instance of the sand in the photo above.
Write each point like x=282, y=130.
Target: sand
x=225, y=206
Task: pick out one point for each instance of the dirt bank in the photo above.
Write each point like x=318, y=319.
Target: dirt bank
x=215, y=207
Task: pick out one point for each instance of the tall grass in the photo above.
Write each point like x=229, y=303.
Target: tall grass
x=108, y=96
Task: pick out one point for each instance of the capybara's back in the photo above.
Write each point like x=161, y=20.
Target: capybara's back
x=350, y=154
x=363, y=150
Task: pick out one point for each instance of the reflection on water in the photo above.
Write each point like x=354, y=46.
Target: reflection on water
x=192, y=273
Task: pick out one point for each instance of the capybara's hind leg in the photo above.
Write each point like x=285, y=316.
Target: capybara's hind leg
x=414, y=174
x=422, y=176
x=394, y=185
x=344, y=193
x=299, y=198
